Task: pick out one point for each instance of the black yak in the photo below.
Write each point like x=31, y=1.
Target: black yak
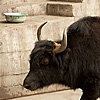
x=74, y=61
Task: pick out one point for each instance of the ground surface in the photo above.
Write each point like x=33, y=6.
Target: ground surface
x=60, y=95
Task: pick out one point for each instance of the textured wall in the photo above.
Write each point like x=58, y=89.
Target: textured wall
x=17, y=41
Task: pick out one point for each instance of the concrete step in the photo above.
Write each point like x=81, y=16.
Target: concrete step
x=36, y=8
x=64, y=9
x=16, y=42
x=54, y=28
x=19, y=1
x=68, y=0
x=33, y=1
x=59, y=95
x=40, y=8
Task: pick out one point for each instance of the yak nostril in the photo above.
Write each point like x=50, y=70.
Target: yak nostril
x=27, y=86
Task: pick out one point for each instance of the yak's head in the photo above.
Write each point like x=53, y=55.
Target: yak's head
x=44, y=63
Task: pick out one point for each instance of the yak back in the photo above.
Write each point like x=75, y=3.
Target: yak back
x=84, y=42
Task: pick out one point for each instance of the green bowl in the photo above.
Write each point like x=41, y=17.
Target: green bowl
x=15, y=17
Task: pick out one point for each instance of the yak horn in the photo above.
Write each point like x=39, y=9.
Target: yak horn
x=61, y=47
x=39, y=31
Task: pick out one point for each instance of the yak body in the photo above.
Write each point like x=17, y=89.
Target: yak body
x=78, y=66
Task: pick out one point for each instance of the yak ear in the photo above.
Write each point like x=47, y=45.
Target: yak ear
x=61, y=47
x=39, y=31
x=45, y=61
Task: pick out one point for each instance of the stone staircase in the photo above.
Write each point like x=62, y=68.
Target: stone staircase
x=17, y=39
x=4, y=2
x=69, y=0
x=64, y=9
x=41, y=7
x=38, y=7
x=34, y=8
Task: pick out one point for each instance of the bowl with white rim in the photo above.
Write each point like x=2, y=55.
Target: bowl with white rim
x=15, y=17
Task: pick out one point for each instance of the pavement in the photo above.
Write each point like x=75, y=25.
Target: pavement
x=60, y=95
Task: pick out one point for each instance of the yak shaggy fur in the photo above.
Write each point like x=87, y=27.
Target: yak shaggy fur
x=77, y=67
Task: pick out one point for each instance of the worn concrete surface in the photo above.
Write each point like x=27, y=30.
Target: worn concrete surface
x=37, y=8
x=4, y=2
x=65, y=9
x=68, y=0
x=60, y=95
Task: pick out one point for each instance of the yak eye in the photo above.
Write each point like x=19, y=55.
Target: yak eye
x=45, y=61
